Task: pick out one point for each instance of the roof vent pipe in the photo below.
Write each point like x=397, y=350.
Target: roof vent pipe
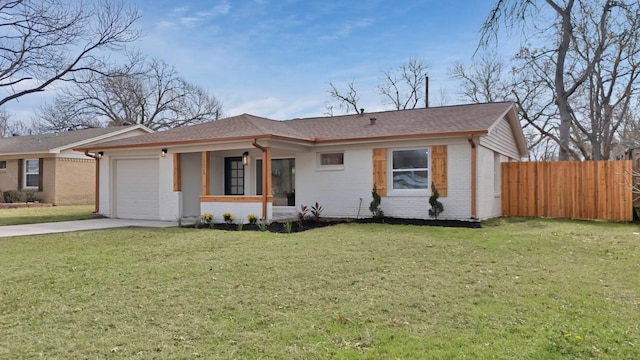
x=373, y=121
x=361, y=111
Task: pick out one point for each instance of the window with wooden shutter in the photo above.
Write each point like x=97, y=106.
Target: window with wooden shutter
x=410, y=172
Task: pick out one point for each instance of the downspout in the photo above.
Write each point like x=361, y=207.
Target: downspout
x=473, y=175
x=97, y=195
x=264, y=177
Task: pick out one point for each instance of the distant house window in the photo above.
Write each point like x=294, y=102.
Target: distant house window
x=32, y=173
x=410, y=169
x=3, y=165
x=332, y=159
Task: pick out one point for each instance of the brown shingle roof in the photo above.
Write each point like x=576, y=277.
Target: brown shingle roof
x=446, y=120
x=44, y=143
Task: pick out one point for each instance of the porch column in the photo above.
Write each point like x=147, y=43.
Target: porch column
x=206, y=173
x=266, y=180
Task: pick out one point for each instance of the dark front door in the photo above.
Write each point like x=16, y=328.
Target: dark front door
x=233, y=176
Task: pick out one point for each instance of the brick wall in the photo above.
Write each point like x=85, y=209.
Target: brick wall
x=74, y=180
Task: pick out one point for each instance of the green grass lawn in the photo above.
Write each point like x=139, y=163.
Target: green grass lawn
x=33, y=215
x=515, y=289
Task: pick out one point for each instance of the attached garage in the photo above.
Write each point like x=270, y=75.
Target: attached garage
x=136, y=189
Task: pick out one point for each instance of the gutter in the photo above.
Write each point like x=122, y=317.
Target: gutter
x=474, y=157
x=265, y=183
x=97, y=195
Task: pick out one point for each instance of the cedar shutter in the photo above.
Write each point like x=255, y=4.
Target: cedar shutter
x=380, y=171
x=40, y=173
x=439, y=168
x=20, y=173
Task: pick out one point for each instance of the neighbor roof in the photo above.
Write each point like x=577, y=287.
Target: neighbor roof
x=424, y=122
x=56, y=142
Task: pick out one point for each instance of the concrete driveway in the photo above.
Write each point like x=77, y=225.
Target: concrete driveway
x=78, y=225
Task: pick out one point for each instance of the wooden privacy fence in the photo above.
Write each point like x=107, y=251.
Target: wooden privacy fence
x=568, y=189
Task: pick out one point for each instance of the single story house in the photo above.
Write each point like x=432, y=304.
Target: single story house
x=251, y=165
x=47, y=166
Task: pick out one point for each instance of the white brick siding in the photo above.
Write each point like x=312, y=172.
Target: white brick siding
x=239, y=210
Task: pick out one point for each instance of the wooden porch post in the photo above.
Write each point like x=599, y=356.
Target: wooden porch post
x=206, y=173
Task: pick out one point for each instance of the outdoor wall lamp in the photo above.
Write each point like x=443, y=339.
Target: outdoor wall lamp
x=245, y=158
x=100, y=154
x=163, y=152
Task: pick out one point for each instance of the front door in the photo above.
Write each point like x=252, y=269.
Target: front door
x=233, y=176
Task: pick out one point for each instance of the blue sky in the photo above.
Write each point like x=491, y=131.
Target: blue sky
x=275, y=58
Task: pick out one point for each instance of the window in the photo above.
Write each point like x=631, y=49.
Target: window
x=233, y=176
x=32, y=173
x=3, y=164
x=410, y=169
x=332, y=159
x=283, y=180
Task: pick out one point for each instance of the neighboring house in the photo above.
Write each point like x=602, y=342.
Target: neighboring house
x=251, y=165
x=48, y=166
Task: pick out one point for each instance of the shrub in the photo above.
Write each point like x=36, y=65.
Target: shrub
x=240, y=226
x=263, y=225
x=228, y=218
x=12, y=196
x=316, y=210
x=252, y=219
x=30, y=196
x=436, y=206
x=206, y=219
x=304, y=211
x=288, y=227
x=374, y=206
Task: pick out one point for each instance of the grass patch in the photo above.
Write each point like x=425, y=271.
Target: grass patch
x=34, y=215
x=536, y=289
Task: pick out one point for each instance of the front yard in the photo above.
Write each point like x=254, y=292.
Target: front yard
x=33, y=215
x=515, y=289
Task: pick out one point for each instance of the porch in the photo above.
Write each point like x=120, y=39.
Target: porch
x=240, y=181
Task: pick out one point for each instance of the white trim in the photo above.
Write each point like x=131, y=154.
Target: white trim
x=408, y=192
x=329, y=167
x=101, y=137
x=25, y=173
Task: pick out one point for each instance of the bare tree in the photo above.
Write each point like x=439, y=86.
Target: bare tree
x=154, y=96
x=45, y=41
x=483, y=81
x=561, y=53
x=9, y=127
x=404, y=86
x=346, y=101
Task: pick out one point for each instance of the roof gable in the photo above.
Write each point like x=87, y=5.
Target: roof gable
x=53, y=143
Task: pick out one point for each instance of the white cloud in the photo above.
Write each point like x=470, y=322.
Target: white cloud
x=277, y=108
x=347, y=28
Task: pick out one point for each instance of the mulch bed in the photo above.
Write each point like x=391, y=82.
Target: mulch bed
x=280, y=227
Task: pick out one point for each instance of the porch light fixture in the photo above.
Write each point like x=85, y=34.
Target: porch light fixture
x=100, y=154
x=163, y=152
x=245, y=158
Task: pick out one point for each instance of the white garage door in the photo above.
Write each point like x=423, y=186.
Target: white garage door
x=136, y=189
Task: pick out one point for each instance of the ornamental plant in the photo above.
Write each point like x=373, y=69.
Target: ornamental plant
x=252, y=219
x=228, y=218
x=316, y=210
x=436, y=206
x=206, y=219
x=374, y=206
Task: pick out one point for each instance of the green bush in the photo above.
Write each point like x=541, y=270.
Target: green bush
x=12, y=196
x=374, y=206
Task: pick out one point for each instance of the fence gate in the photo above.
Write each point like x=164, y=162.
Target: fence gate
x=568, y=189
